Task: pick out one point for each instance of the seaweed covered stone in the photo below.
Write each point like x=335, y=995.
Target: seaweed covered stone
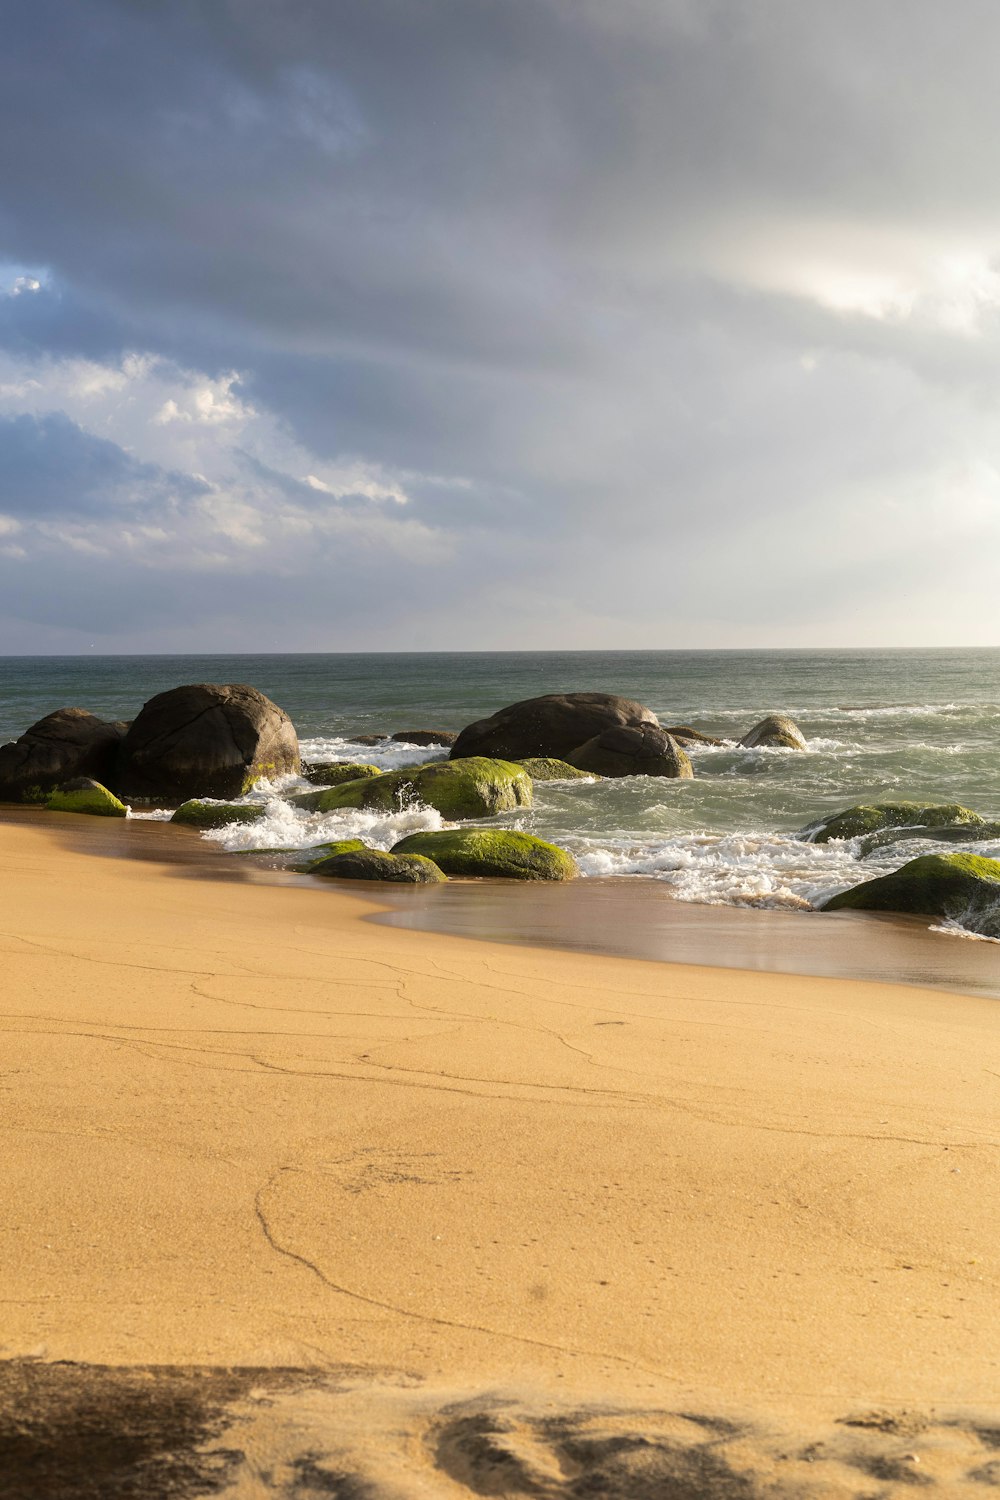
x=198, y=814
x=869, y=818
x=84, y=795
x=551, y=725
x=548, y=768
x=960, y=887
x=424, y=736
x=500, y=853
x=776, y=732
x=374, y=864
x=205, y=740
x=65, y=745
x=633, y=750
x=474, y=788
x=335, y=772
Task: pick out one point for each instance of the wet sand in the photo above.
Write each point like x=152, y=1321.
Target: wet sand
x=320, y=1205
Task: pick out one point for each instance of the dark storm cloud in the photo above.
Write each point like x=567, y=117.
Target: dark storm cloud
x=644, y=304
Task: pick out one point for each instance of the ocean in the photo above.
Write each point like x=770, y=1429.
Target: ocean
x=920, y=724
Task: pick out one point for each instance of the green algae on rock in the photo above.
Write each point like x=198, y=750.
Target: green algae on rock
x=776, y=732
x=374, y=864
x=82, y=795
x=964, y=887
x=334, y=773
x=198, y=814
x=472, y=788
x=872, y=817
x=547, y=768
x=499, y=853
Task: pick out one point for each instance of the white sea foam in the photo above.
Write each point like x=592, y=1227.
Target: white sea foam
x=286, y=827
x=388, y=755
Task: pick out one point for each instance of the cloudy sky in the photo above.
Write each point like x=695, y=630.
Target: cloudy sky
x=395, y=324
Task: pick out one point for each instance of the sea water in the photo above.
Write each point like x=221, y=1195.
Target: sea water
x=919, y=724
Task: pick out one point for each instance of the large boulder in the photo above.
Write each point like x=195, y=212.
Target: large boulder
x=67, y=744
x=373, y=864
x=776, y=732
x=639, y=750
x=961, y=887
x=500, y=853
x=84, y=795
x=873, y=817
x=473, y=788
x=552, y=725
x=205, y=740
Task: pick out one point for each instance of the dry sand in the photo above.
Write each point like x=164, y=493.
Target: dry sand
x=438, y=1217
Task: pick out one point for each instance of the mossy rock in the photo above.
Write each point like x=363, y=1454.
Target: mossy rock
x=964, y=887
x=866, y=818
x=473, y=788
x=498, y=852
x=334, y=773
x=962, y=833
x=373, y=864
x=197, y=814
x=547, y=768
x=82, y=795
x=776, y=732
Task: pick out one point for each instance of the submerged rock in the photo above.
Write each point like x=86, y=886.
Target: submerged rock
x=64, y=745
x=962, y=887
x=552, y=725
x=776, y=732
x=494, y=852
x=334, y=772
x=84, y=795
x=684, y=732
x=425, y=736
x=206, y=740
x=639, y=750
x=197, y=814
x=547, y=768
x=473, y=788
x=871, y=817
x=373, y=864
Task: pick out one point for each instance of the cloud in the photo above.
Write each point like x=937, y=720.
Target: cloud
x=610, y=323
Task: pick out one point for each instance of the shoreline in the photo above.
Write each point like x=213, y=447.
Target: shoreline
x=483, y=1199
x=624, y=917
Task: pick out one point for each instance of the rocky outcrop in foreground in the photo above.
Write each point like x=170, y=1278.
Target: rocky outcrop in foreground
x=205, y=740
x=500, y=853
x=61, y=747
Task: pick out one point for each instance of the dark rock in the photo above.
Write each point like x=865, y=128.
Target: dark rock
x=205, y=740
x=643, y=750
x=684, y=732
x=870, y=818
x=500, y=853
x=369, y=739
x=962, y=887
x=552, y=725
x=776, y=732
x=68, y=743
x=425, y=736
x=373, y=864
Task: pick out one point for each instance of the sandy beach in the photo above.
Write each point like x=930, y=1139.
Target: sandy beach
x=442, y=1216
